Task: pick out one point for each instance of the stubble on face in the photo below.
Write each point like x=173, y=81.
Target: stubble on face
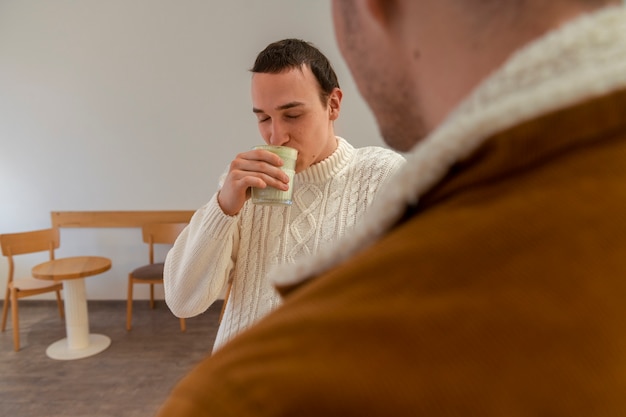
x=397, y=110
x=383, y=80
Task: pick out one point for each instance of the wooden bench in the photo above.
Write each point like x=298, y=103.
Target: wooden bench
x=124, y=222
x=134, y=218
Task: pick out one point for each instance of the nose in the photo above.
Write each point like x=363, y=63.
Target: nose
x=279, y=135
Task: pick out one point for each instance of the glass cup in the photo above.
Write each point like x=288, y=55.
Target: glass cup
x=271, y=195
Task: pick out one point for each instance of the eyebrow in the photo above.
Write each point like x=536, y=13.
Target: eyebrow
x=286, y=106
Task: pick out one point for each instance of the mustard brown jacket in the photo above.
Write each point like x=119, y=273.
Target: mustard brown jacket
x=498, y=287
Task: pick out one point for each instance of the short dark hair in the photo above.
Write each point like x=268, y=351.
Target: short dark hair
x=293, y=53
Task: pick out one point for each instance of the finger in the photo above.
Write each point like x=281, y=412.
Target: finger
x=242, y=167
x=267, y=156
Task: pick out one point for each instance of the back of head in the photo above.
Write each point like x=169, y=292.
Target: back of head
x=288, y=54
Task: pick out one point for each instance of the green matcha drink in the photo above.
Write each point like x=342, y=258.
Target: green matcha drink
x=271, y=195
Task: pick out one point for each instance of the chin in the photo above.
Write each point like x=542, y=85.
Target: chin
x=403, y=138
x=399, y=145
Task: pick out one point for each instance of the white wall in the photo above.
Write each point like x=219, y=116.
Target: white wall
x=135, y=105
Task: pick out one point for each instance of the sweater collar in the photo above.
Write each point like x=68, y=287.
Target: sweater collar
x=329, y=167
x=582, y=60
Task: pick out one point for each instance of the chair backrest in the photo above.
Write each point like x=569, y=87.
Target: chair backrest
x=155, y=233
x=28, y=242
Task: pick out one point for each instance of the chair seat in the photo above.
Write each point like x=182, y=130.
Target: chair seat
x=25, y=284
x=150, y=271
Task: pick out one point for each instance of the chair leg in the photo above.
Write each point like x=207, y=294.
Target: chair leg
x=15, y=320
x=183, y=325
x=129, y=304
x=151, y=295
x=60, y=304
x=5, y=309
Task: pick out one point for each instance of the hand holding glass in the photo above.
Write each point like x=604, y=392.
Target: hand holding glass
x=271, y=195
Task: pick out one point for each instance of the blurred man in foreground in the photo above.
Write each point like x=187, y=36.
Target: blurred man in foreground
x=490, y=281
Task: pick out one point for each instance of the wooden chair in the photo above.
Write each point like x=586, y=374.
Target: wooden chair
x=152, y=273
x=23, y=243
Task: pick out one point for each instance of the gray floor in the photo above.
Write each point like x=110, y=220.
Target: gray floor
x=131, y=378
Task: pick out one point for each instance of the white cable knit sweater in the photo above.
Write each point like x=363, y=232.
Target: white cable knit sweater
x=329, y=198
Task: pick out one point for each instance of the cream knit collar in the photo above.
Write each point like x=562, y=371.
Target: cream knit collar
x=583, y=59
x=329, y=167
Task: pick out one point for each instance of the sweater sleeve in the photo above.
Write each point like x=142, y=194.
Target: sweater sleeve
x=199, y=264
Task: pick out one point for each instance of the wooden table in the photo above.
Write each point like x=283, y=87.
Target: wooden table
x=72, y=271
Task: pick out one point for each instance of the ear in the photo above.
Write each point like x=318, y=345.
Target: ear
x=383, y=11
x=334, y=103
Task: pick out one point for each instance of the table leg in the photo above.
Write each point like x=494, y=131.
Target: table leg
x=78, y=343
